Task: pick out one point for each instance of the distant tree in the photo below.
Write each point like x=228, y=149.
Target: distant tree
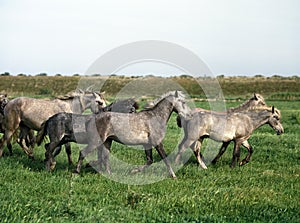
x=41, y=75
x=185, y=76
x=58, y=75
x=76, y=75
x=5, y=74
x=221, y=76
x=21, y=75
x=277, y=76
x=259, y=75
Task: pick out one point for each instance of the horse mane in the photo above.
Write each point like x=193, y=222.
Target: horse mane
x=78, y=93
x=264, y=108
x=245, y=105
x=163, y=96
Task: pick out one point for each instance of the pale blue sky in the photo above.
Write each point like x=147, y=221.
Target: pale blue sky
x=233, y=37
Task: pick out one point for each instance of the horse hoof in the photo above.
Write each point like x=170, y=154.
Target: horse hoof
x=203, y=166
x=136, y=170
x=76, y=171
x=52, y=166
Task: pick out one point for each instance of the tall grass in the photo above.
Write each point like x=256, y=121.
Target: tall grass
x=274, y=88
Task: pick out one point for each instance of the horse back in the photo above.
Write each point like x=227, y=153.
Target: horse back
x=33, y=112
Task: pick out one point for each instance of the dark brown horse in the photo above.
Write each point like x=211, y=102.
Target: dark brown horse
x=146, y=128
x=32, y=112
x=236, y=127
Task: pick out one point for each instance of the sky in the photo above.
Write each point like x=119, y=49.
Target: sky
x=233, y=37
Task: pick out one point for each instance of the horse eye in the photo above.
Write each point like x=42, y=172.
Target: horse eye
x=100, y=102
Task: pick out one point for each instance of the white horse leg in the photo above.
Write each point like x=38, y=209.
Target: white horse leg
x=196, y=146
x=185, y=143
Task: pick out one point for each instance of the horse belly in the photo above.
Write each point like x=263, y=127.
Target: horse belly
x=222, y=135
x=131, y=138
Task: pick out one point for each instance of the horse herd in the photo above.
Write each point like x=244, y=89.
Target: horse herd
x=62, y=120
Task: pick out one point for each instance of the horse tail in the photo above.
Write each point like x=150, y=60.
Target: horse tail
x=42, y=133
x=178, y=120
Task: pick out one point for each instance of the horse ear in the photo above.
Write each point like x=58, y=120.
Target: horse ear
x=176, y=94
x=273, y=109
x=103, y=92
x=255, y=97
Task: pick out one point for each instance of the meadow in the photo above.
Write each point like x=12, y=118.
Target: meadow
x=267, y=189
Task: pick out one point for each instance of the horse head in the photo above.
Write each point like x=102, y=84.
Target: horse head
x=96, y=102
x=258, y=100
x=274, y=121
x=180, y=105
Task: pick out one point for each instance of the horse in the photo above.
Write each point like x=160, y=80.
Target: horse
x=32, y=112
x=146, y=128
x=26, y=136
x=255, y=101
x=64, y=127
x=236, y=127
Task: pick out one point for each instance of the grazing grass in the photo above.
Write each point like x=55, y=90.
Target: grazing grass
x=265, y=190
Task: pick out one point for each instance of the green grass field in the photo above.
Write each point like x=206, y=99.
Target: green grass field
x=265, y=190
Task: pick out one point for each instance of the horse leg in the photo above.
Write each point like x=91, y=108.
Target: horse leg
x=236, y=154
x=196, y=146
x=221, y=152
x=57, y=151
x=148, y=151
x=27, y=150
x=2, y=142
x=69, y=152
x=161, y=151
x=185, y=143
x=50, y=161
x=105, y=151
x=6, y=139
x=250, y=151
x=23, y=141
x=83, y=153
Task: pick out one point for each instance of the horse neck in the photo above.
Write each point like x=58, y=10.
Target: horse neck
x=241, y=107
x=164, y=108
x=77, y=104
x=259, y=118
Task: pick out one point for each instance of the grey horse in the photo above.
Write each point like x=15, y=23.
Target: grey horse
x=236, y=127
x=68, y=127
x=255, y=101
x=146, y=128
x=32, y=112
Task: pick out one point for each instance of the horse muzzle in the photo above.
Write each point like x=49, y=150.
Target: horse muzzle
x=279, y=131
